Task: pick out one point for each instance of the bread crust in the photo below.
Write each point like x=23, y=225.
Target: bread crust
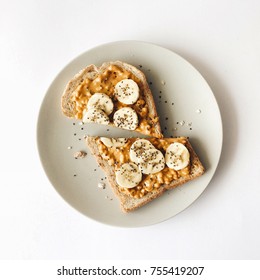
x=129, y=203
x=91, y=72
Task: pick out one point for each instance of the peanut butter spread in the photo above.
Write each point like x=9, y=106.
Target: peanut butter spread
x=105, y=83
x=116, y=156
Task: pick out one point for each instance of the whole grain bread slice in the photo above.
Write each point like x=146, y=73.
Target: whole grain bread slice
x=129, y=203
x=91, y=72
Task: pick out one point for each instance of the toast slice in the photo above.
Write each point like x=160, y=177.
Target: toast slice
x=151, y=186
x=141, y=115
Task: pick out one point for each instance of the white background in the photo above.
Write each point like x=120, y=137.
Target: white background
x=220, y=38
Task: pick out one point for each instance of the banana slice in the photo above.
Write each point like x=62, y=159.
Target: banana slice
x=101, y=101
x=177, y=156
x=113, y=142
x=138, y=148
x=127, y=91
x=107, y=141
x=126, y=118
x=152, y=161
x=96, y=116
x=128, y=175
x=119, y=142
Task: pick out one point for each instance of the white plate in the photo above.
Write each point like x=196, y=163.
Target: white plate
x=186, y=105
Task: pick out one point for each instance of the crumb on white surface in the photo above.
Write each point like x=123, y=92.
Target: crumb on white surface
x=101, y=185
x=80, y=154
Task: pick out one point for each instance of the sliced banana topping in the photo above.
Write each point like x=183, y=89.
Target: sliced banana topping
x=107, y=141
x=113, y=142
x=138, y=148
x=152, y=161
x=119, y=142
x=94, y=115
x=101, y=101
x=128, y=175
x=177, y=156
x=127, y=91
x=126, y=118
x=149, y=159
